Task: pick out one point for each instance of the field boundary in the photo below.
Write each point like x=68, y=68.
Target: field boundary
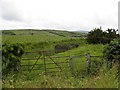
x=43, y=55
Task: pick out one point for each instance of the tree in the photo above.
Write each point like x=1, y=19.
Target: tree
x=111, y=34
x=98, y=36
x=95, y=36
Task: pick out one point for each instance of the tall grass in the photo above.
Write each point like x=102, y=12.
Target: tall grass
x=103, y=79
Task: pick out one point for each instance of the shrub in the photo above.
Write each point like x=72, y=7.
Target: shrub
x=112, y=52
x=61, y=48
x=11, y=56
x=98, y=36
x=65, y=47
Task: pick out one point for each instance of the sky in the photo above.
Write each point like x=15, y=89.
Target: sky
x=119, y=17
x=68, y=15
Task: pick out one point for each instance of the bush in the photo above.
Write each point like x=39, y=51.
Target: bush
x=65, y=47
x=98, y=36
x=112, y=52
x=61, y=48
x=11, y=56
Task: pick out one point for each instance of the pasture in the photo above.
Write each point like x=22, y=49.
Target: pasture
x=69, y=77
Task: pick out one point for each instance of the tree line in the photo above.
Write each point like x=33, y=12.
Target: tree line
x=99, y=36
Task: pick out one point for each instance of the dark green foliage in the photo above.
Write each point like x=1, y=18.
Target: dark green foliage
x=61, y=48
x=98, y=36
x=112, y=51
x=11, y=56
x=8, y=33
x=95, y=36
x=65, y=47
x=111, y=33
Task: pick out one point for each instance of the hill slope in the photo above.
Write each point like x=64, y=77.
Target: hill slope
x=39, y=39
x=31, y=35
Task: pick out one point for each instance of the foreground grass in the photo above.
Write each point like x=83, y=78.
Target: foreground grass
x=104, y=79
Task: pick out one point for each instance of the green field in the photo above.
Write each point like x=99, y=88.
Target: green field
x=75, y=77
x=38, y=39
x=35, y=36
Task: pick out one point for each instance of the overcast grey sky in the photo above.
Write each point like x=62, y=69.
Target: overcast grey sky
x=58, y=14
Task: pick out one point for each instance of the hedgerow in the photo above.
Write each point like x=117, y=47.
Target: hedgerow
x=11, y=57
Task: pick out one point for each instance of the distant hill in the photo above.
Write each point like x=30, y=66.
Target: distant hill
x=82, y=31
x=60, y=33
x=36, y=36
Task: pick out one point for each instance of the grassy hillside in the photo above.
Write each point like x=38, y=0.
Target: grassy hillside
x=28, y=36
x=38, y=39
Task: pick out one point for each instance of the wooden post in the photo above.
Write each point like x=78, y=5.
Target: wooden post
x=71, y=64
x=88, y=63
x=44, y=63
x=28, y=64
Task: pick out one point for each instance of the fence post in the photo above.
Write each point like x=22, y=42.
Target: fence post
x=71, y=64
x=44, y=61
x=88, y=62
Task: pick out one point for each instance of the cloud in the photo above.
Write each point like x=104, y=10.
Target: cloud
x=9, y=11
x=119, y=17
x=58, y=14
